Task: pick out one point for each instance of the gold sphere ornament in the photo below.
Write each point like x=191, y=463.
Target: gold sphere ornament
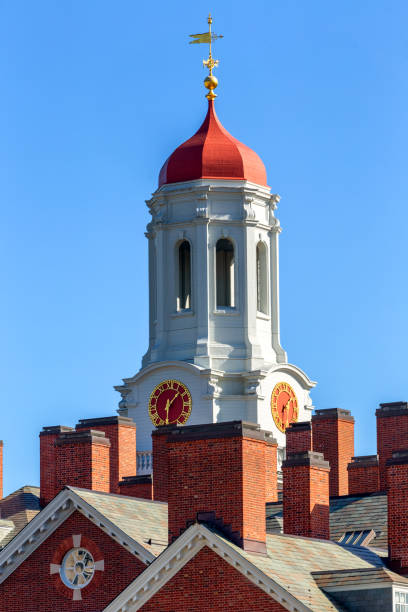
x=211, y=82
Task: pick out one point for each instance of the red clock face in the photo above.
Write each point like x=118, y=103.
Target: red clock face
x=170, y=403
x=284, y=405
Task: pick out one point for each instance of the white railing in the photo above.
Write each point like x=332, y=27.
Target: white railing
x=144, y=462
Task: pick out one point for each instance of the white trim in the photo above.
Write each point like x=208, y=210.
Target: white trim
x=49, y=519
x=154, y=577
x=361, y=586
x=164, y=364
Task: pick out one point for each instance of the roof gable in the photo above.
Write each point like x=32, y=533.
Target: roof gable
x=179, y=553
x=57, y=511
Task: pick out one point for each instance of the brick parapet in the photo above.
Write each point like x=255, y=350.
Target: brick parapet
x=333, y=435
x=392, y=434
x=306, y=495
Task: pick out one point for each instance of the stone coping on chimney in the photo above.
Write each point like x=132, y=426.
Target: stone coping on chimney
x=306, y=458
x=363, y=461
x=133, y=480
x=300, y=426
x=392, y=409
x=225, y=429
x=333, y=413
x=55, y=429
x=101, y=421
x=79, y=437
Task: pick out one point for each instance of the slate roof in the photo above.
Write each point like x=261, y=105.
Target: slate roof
x=365, y=576
x=347, y=513
x=143, y=520
x=19, y=507
x=292, y=562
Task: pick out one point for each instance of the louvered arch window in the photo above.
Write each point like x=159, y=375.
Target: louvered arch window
x=261, y=278
x=184, y=276
x=225, y=273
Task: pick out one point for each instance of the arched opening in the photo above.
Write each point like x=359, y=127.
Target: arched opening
x=261, y=278
x=225, y=273
x=184, y=264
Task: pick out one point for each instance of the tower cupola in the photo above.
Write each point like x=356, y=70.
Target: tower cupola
x=212, y=153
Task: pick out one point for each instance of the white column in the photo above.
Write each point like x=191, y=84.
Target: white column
x=274, y=284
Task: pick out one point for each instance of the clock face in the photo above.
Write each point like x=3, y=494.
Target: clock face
x=170, y=403
x=284, y=405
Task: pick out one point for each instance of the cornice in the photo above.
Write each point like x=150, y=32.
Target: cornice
x=147, y=584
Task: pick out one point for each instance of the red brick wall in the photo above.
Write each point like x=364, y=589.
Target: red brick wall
x=1, y=469
x=48, y=487
x=333, y=435
x=224, y=475
x=397, y=499
x=364, y=477
x=299, y=437
x=143, y=490
x=160, y=466
x=122, y=437
x=207, y=582
x=83, y=462
x=306, y=496
x=392, y=434
x=271, y=472
x=31, y=587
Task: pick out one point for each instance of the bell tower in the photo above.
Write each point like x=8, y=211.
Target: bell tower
x=214, y=343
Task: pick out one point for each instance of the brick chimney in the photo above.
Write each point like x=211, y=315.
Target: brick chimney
x=333, y=435
x=363, y=475
x=217, y=475
x=392, y=434
x=299, y=437
x=82, y=460
x=271, y=470
x=397, y=499
x=306, y=508
x=160, y=465
x=121, y=431
x=137, y=486
x=1, y=469
x=48, y=437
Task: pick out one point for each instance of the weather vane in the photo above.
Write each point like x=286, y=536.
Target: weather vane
x=210, y=81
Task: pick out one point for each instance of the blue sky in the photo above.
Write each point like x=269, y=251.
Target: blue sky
x=96, y=94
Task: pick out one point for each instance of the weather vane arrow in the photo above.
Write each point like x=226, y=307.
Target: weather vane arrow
x=210, y=81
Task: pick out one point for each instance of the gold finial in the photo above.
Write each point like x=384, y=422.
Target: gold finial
x=210, y=81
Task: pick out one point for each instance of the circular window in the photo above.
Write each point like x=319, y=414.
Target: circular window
x=77, y=568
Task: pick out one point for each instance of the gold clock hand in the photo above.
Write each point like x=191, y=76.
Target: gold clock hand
x=167, y=411
x=177, y=394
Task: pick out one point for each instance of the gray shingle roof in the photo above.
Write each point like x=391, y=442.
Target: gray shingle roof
x=143, y=520
x=19, y=507
x=292, y=562
x=347, y=513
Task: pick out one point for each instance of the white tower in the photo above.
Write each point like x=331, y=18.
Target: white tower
x=214, y=349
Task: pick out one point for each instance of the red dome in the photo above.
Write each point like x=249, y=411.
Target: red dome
x=212, y=153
